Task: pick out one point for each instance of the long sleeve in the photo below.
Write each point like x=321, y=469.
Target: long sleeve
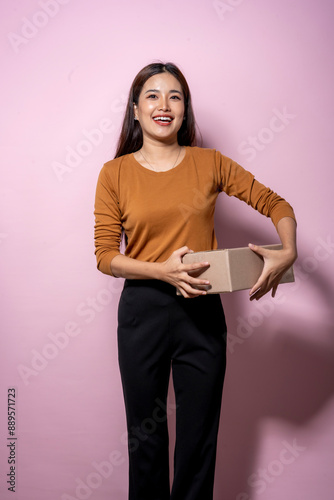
x=234, y=180
x=108, y=226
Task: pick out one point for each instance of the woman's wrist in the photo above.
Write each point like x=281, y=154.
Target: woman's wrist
x=286, y=229
x=290, y=251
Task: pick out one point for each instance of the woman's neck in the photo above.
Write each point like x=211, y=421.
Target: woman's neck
x=160, y=156
x=159, y=151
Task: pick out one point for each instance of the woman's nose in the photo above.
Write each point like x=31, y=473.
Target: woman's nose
x=163, y=105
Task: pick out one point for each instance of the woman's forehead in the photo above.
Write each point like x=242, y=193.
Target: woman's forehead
x=162, y=81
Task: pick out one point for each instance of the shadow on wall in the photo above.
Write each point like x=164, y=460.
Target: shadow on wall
x=285, y=371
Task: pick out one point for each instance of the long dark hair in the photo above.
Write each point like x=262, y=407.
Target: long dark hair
x=131, y=137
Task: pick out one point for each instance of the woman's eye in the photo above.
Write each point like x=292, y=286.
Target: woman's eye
x=154, y=96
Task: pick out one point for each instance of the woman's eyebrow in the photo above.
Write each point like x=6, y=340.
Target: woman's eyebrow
x=156, y=90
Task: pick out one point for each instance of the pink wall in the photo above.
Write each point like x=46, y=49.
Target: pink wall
x=67, y=67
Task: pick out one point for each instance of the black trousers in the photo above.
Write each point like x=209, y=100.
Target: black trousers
x=159, y=331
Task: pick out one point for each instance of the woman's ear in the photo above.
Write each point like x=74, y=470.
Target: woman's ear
x=135, y=111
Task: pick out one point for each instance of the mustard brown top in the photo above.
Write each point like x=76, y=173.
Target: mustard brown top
x=162, y=211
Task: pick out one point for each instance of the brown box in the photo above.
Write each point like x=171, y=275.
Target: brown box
x=231, y=269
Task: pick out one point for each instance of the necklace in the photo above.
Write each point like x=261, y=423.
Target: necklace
x=155, y=168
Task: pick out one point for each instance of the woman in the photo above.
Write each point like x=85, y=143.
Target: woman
x=160, y=191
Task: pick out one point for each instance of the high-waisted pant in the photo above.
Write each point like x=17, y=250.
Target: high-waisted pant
x=158, y=331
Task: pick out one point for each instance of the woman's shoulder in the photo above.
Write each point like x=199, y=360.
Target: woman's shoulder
x=205, y=154
x=116, y=162
x=197, y=150
x=210, y=153
x=112, y=167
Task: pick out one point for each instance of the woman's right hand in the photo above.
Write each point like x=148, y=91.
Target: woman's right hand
x=176, y=273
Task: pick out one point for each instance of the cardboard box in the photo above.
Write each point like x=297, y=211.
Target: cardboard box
x=231, y=269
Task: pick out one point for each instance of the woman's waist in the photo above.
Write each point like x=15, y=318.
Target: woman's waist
x=150, y=283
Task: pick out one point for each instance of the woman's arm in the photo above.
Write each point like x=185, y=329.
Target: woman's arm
x=276, y=262
x=172, y=271
x=236, y=181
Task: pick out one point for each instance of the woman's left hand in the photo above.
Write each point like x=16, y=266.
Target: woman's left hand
x=276, y=263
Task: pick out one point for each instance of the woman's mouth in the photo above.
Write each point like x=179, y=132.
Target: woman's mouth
x=163, y=120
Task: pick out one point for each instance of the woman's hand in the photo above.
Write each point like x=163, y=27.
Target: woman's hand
x=176, y=273
x=276, y=263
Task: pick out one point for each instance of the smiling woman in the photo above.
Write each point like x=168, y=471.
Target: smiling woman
x=143, y=193
x=131, y=137
x=160, y=113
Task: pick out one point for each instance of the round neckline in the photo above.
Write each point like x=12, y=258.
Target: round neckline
x=162, y=172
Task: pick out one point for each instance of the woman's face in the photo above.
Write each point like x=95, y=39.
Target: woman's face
x=160, y=108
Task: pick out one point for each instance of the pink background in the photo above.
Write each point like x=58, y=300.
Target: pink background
x=67, y=68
